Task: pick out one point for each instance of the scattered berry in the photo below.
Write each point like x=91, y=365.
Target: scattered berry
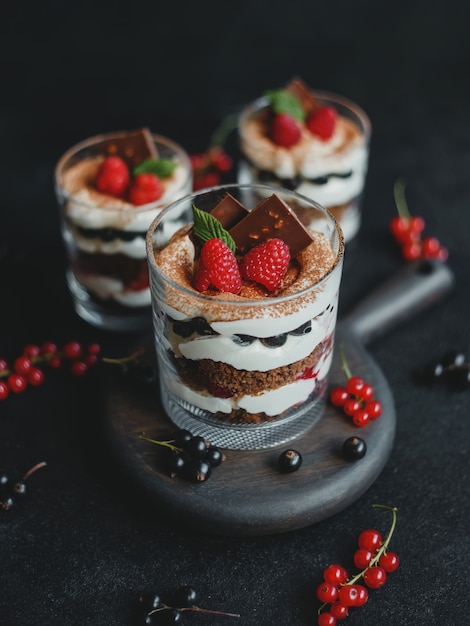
x=338, y=593
x=113, y=177
x=12, y=489
x=145, y=188
x=322, y=122
x=217, y=268
x=266, y=263
x=285, y=131
x=452, y=368
x=354, y=448
x=289, y=461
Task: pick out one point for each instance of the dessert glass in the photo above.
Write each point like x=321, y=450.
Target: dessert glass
x=275, y=352
x=104, y=236
x=332, y=172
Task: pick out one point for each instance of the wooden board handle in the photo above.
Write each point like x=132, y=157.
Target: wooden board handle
x=420, y=285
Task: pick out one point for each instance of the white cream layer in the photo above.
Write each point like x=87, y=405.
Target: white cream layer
x=107, y=288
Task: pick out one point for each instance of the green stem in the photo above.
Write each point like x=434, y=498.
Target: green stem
x=223, y=130
x=166, y=444
x=400, y=200
x=196, y=609
x=344, y=362
x=125, y=359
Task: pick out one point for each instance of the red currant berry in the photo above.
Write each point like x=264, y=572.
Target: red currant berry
x=335, y=574
x=366, y=393
x=339, y=395
x=374, y=408
x=348, y=595
x=362, y=558
x=351, y=406
x=338, y=610
x=3, y=365
x=49, y=347
x=72, y=350
x=375, y=577
x=370, y=539
x=363, y=595
x=35, y=376
x=326, y=619
x=430, y=248
x=220, y=159
x=389, y=561
x=55, y=363
x=411, y=251
x=416, y=224
x=91, y=360
x=398, y=227
x=326, y=592
x=361, y=418
x=198, y=161
x=443, y=254
x=17, y=383
x=31, y=350
x=22, y=365
x=94, y=348
x=355, y=385
x=78, y=368
x=4, y=390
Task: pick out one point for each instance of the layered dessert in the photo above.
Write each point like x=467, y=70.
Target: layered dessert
x=311, y=142
x=245, y=304
x=110, y=188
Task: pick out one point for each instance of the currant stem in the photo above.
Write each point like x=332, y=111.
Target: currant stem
x=34, y=469
x=197, y=609
x=400, y=200
x=344, y=363
x=125, y=359
x=166, y=444
x=223, y=130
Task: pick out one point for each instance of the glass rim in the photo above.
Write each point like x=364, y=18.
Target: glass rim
x=262, y=102
x=95, y=140
x=278, y=300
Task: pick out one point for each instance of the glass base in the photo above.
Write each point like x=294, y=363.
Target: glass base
x=244, y=436
x=104, y=317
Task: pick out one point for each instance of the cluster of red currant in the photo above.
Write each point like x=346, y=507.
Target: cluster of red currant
x=156, y=611
x=407, y=231
x=209, y=167
x=26, y=369
x=338, y=593
x=356, y=397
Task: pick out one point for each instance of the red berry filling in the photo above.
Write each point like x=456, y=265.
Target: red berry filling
x=322, y=122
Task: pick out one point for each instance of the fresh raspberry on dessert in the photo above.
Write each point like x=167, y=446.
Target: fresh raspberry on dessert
x=322, y=122
x=266, y=263
x=113, y=176
x=218, y=268
x=145, y=188
x=285, y=131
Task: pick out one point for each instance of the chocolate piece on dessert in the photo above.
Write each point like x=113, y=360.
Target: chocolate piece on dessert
x=298, y=88
x=271, y=218
x=133, y=147
x=229, y=211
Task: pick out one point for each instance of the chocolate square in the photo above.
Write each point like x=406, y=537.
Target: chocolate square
x=229, y=211
x=298, y=88
x=133, y=147
x=272, y=218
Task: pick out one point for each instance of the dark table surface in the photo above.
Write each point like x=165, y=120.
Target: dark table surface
x=84, y=544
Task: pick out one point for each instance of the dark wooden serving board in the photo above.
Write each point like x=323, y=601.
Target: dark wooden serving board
x=247, y=495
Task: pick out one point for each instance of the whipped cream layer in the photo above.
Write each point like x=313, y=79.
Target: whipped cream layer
x=106, y=288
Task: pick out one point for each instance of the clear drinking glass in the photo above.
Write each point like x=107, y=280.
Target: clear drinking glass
x=104, y=236
x=331, y=172
x=243, y=373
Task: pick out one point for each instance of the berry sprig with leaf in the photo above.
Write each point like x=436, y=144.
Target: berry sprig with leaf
x=407, y=230
x=219, y=268
x=339, y=592
x=141, y=185
x=289, y=117
x=356, y=398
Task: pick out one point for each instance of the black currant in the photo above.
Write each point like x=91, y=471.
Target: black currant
x=169, y=616
x=289, y=461
x=175, y=463
x=354, y=448
x=195, y=447
x=7, y=503
x=185, y=596
x=274, y=342
x=151, y=601
x=142, y=372
x=214, y=456
x=181, y=436
x=431, y=372
x=4, y=479
x=198, y=470
x=243, y=340
x=453, y=357
x=302, y=330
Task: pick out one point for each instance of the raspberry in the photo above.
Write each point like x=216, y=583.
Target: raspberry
x=218, y=267
x=284, y=130
x=266, y=263
x=322, y=122
x=145, y=188
x=113, y=176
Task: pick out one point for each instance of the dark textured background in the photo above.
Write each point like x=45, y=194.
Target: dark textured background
x=83, y=547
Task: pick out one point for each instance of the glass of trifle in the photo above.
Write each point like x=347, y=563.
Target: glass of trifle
x=109, y=188
x=310, y=141
x=244, y=297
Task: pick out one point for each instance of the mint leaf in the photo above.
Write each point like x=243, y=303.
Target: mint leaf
x=206, y=227
x=160, y=167
x=283, y=101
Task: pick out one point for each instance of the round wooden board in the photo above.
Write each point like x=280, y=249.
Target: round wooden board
x=247, y=494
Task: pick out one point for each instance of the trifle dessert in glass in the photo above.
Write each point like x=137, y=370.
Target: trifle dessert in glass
x=110, y=188
x=244, y=304
x=313, y=142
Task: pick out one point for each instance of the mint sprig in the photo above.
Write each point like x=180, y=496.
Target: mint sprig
x=206, y=227
x=283, y=101
x=160, y=167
